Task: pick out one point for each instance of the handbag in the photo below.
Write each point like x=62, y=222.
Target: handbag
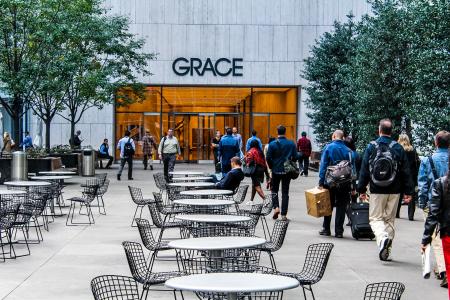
x=291, y=169
x=249, y=170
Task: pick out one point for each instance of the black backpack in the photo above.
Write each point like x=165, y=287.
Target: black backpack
x=383, y=165
x=128, y=149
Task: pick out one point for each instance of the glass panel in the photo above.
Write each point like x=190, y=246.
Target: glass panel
x=275, y=100
x=261, y=125
x=287, y=120
x=187, y=132
x=206, y=125
x=132, y=122
x=152, y=102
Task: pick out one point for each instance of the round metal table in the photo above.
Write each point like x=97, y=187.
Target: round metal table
x=188, y=179
x=208, y=192
x=11, y=193
x=192, y=184
x=203, y=202
x=203, y=218
x=58, y=173
x=27, y=184
x=187, y=173
x=217, y=243
x=51, y=177
x=232, y=283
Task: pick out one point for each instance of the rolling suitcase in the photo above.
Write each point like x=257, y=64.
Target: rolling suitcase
x=359, y=218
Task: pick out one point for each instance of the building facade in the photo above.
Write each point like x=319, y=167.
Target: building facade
x=220, y=63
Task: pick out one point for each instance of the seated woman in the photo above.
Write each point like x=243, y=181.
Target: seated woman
x=233, y=179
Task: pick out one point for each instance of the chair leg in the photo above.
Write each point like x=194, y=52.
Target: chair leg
x=304, y=293
x=312, y=293
x=272, y=261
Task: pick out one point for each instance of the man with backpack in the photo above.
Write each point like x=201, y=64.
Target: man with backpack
x=385, y=166
x=127, y=149
x=335, y=174
x=280, y=154
x=432, y=168
x=168, y=150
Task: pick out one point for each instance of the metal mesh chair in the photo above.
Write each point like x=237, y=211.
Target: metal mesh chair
x=145, y=231
x=114, y=287
x=140, y=269
x=103, y=188
x=8, y=212
x=139, y=200
x=166, y=210
x=38, y=197
x=89, y=194
x=101, y=177
x=160, y=223
x=276, y=241
x=316, y=261
x=384, y=291
x=21, y=222
x=160, y=182
x=240, y=195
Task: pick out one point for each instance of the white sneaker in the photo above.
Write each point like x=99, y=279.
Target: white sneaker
x=385, y=248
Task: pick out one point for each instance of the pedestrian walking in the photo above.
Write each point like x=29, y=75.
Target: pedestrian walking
x=432, y=168
x=439, y=217
x=269, y=170
x=238, y=137
x=280, y=151
x=414, y=162
x=385, y=166
x=228, y=148
x=148, y=144
x=8, y=143
x=215, y=148
x=253, y=138
x=255, y=157
x=333, y=154
x=304, y=152
x=127, y=148
x=168, y=150
x=103, y=152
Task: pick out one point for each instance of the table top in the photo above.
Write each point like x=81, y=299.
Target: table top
x=203, y=202
x=50, y=177
x=197, y=178
x=232, y=282
x=58, y=173
x=27, y=183
x=187, y=173
x=204, y=218
x=191, y=184
x=12, y=192
x=206, y=192
x=217, y=243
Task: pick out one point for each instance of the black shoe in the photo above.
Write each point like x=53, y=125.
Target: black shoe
x=325, y=232
x=444, y=282
x=145, y=168
x=151, y=168
x=131, y=178
x=339, y=235
x=118, y=177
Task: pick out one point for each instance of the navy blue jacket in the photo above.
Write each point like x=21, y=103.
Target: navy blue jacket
x=228, y=148
x=232, y=180
x=403, y=181
x=332, y=154
x=280, y=151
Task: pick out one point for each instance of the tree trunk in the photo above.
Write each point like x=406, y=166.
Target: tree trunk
x=16, y=129
x=72, y=132
x=47, y=134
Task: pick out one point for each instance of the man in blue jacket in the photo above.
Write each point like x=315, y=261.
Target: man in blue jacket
x=103, y=152
x=385, y=166
x=431, y=168
x=280, y=151
x=332, y=154
x=228, y=148
x=249, y=141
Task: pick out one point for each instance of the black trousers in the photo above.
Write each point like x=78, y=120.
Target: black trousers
x=169, y=164
x=340, y=198
x=303, y=164
x=128, y=160
x=411, y=206
x=285, y=181
x=109, y=161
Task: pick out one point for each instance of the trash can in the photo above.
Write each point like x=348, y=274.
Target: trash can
x=88, y=165
x=19, y=166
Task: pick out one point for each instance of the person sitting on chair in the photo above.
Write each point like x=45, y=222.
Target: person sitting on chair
x=103, y=152
x=233, y=179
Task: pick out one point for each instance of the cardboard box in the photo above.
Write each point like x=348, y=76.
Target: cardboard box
x=318, y=202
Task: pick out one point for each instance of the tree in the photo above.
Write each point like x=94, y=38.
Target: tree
x=327, y=70
x=104, y=59
x=18, y=23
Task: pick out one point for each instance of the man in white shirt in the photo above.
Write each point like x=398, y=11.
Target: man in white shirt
x=168, y=150
x=127, y=149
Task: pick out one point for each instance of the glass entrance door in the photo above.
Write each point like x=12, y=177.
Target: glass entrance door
x=186, y=129
x=206, y=134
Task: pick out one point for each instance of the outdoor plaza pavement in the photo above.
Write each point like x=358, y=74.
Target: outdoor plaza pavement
x=63, y=265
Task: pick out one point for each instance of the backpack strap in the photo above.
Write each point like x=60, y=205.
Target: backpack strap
x=433, y=167
x=392, y=144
